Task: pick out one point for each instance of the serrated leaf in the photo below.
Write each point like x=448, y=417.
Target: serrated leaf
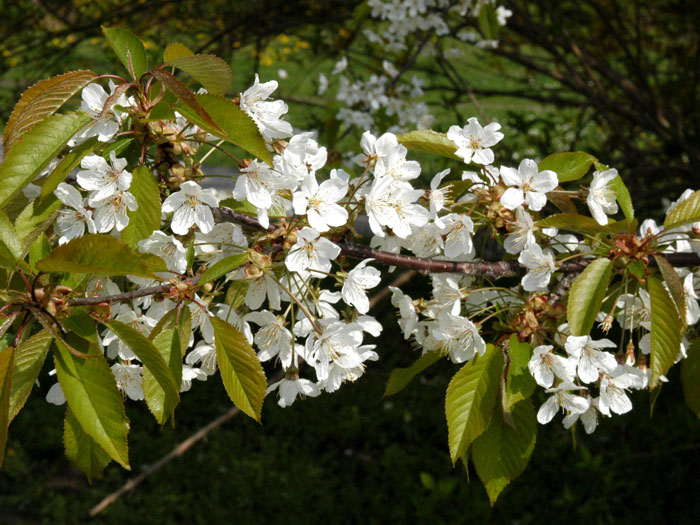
x=176, y=50
x=42, y=100
x=168, y=344
x=240, y=369
x=182, y=322
x=38, y=146
x=212, y=72
x=10, y=246
x=165, y=392
x=36, y=217
x=92, y=395
x=690, y=378
x=401, y=377
x=129, y=49
x=29, y=358
x=574, y=223
x=519, y=384
x=222, y=267
x=6, y=364
x=234, y=125
x=193, y=110
x=81, y=449
x=675, y=285
x=430, y=141
x=146, y=218
x=488, y=22
x=568, y=166
x=68, y=164
x=586, y=296
x=470, y=398
x=666, y=331
x=101, y=254
x=687, y=212
x=623, y=197
x=502, y=452
x=39, y=249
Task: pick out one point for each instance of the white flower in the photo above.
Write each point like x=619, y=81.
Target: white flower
x=438, y=197
x=104, y=180
x=272, y=338
x=264, y=287
x=106, y=123
x=502, y=16
x=337, y=374
x=204, y=353
x=601, y=198
x=303, y=156
x=290, y=388
x=129, y=380
x=358, y=281
x=223, y=240
x=267, y=114
x=544, y=365
x=167, y=248
x=311, y=252
x=460, y=337
x=377, y=149
x=135, y=319
x=589, y=417
x=395, y=165
x=390, y=203
x=337, y=344
x=692, y=310
x=320, y=202
x=634, y=310
x=458, y=231
x=541, y=266
x=188, y=374
x=613, y=396
x=529, y=185
x=447, y=295
x=71, y=224
x=562, y=398
x=55, y=394
x=408, y=318
x=591, y=360
x=340, y=66
x=113, y=211
x=474, y=141
x=522, y=232
x=191, y=206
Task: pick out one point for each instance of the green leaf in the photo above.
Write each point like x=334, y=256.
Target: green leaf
x=166, y=393
x=675, y=285
x=29, y=358
x=209, y=70
x=275, y=212
x=690, y=377
x=519, y=384
x=39, y=249
x=38, y=146
x=10, y=247
x=666, y=331
x=92, y=395
x=181, y=322
x=234, y=125
x=159, y=403
x=222, y=267
x=42, y=100
x=470, y=398
x=488, y=22
x=81, y=449
x=101, y=254
x=68, y=164
x=129, y=50
x=568, y=166
x=430, y=141
x=36, y=217
x=146, y=218
x=176, y=50
x=401, y=377
x=502, y=452
x=623, y=197
x=240, y=369
x=687, y=212
x=6, y=363
x=574, y=223
x=586, y=296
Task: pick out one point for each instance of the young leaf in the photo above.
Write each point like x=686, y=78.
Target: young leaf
x=687, y=212
x=129, y=50
x=29, y=358
x=159, y=403
x=10, y=247
x=166, y=393
x=36, y=217
x=586, y=296
x=690, y=377
x=623, y=197
x=519, y=384
x=666, y=331
x=176, y=50
x=81, y=449
x=430, y=141
x=146, y=218
x=42, y=100
x=573, y=223
x=471, y=395
x=6, y=362
x=240, y=369
x=38, y=146
x=181, y=322
x=502, y=452
x=92, y=395
x=401, y=377
x=101, y=254
x=222, y=267
x=209, y=70
x=568, y=166
x=674, y=283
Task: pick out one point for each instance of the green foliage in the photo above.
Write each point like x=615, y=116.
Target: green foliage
x=129, y=49
x=623, y=197
x=222, y=267
x=29, y=358
x=101, y=254
x=503, y=451
x=470, y=398
x=430, y=141
x=488, y=22
x=10, y=246
x=176, y=50
x=70, y=161
x=519, y=383
x=401, y=377
x=6, y=363
x=674, y=284
x=666, y=331
x=686, y=212
x=568, y=166
x=81, y=449
x=209, y=70
x=240, y=369
x=146, y=218
x=690, y=377
x=159, y=402
x=586, y=296
x=574, y=223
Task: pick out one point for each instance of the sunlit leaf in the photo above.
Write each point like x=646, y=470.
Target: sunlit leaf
x=586, y=295
x=81, y=449
x=666, y=331
x=430, y=141
x=568, y=166
x=519, y=384
x=129, y=50
x=687, y=212
x=146, y=218
x=29, y=358
x=209, y=70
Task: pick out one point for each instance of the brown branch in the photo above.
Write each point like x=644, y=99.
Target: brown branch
x=127, y=296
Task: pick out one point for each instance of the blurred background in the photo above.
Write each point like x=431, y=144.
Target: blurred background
x=616, y=78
